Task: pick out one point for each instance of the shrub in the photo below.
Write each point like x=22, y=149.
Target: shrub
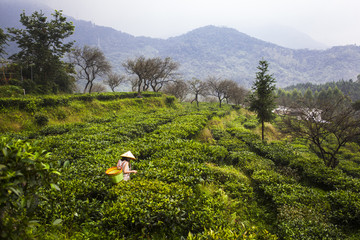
x=41, y=119
x=250, y=125
x=345, y=207
x=170, y=101
x=24, y=169
x=154, y=209
x=11, y=91
x=300, y=222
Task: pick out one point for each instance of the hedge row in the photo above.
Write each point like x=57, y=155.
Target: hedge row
x=31, y=103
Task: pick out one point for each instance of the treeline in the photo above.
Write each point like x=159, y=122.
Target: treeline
x=349, y=88
x=289, y=98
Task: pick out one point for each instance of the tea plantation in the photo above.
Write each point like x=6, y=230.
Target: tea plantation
x=203, y=173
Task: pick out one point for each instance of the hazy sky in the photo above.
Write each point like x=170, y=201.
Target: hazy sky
x=332, y=22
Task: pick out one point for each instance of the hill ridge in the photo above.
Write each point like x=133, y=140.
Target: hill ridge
x=220, y=51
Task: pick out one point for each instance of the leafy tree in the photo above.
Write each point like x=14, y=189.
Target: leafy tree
x=42, y=46
x=197, y=88
x=308, y=96
x=151, y=72
x=262, y=100
x=3, y=42
x=295, y=95
x=114, y=80
x=90, y=63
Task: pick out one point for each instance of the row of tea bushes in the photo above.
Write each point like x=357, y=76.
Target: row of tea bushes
x=171, y=167
x=281, y=175
x=31, y=103
x=83, y=153
x=172, y=158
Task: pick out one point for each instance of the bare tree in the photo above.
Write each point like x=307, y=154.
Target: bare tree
x=328, y=127
x=151, y=72
x=197, y=88
x=114, y=80
x=98, y=87
x=238, y=94
x=90, y=63
x=221, y=89
x=179, y=89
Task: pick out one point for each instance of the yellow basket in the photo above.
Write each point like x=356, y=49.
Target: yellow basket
x=116, y=175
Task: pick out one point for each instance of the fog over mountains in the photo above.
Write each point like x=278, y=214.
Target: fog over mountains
x=211, y=51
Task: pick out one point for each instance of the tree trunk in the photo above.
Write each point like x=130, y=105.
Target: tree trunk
x=262, y=130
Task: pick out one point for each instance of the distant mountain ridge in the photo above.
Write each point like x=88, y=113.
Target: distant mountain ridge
x=214, y=51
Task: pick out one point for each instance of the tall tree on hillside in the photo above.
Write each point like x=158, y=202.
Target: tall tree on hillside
x=42, y=46
x=151, y=73
x=90, y=63
x=262, y=99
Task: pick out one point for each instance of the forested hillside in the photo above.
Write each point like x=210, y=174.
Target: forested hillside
x=211, y=50
x=349, y=88
x=203, y=173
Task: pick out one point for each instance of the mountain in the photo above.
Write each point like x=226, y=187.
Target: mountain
x=286, y=36
x=211, y=50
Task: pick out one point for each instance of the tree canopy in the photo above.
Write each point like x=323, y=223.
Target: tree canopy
x=41, y=43
x=262, y=100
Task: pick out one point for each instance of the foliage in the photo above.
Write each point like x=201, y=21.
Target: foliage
x=41, y=49
x=262, y=100
x=41, y=120
x=3, y=42
x=24, y=170
x=10, y=91
x=349, y=88
x=233, y=187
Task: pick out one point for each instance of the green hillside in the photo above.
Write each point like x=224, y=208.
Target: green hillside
x=203, y=173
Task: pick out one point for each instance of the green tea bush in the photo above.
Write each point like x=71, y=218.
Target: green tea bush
x=170, y=101
x=300, y=222
x=240, y=232
x=41, y=119
x=250, y=162
x=153, y=209
x=11, y=91
x=345, y=207
x=24, y=169
x=250, y=125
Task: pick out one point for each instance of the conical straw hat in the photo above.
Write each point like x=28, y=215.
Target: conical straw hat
x=128, y=154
